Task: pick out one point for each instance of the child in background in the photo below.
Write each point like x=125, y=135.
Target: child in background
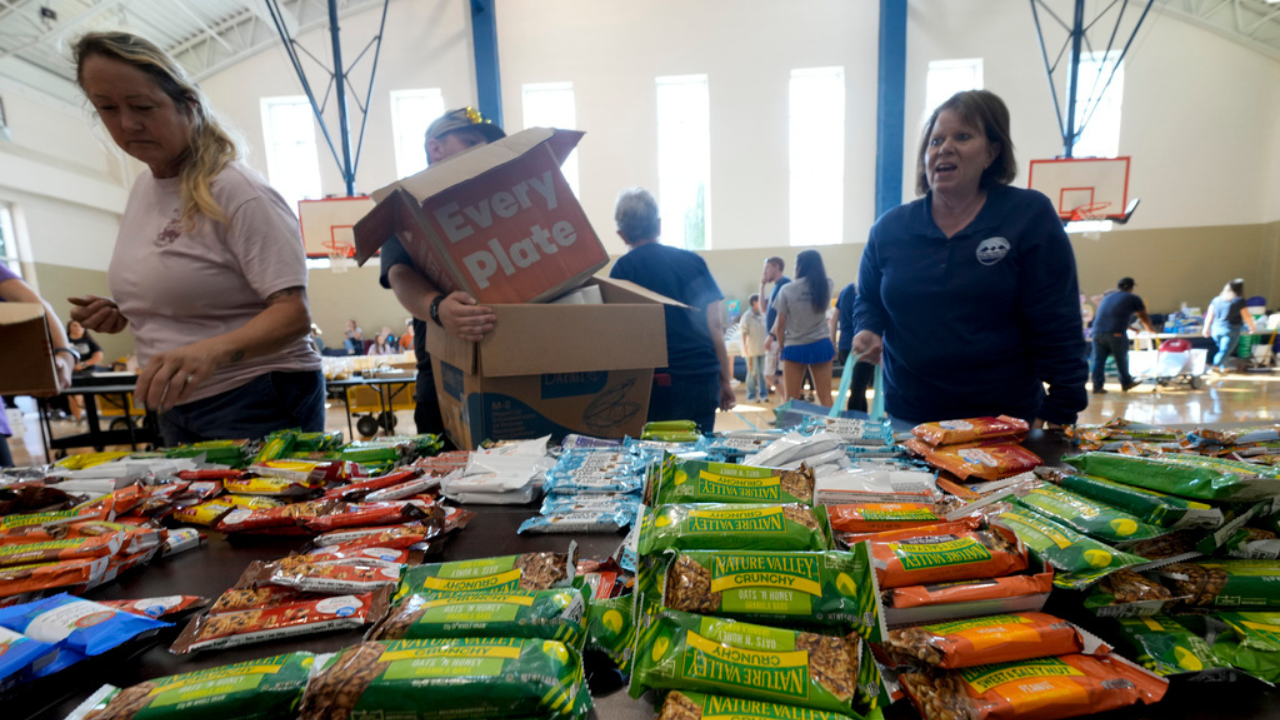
x=752, y=331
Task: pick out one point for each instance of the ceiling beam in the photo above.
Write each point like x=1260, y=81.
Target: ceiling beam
x=97, y=9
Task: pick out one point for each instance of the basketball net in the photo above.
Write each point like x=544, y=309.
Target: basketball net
x=341, y=255
x=1094, y=213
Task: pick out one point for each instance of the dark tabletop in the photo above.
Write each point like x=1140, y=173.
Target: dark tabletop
x=214, y=568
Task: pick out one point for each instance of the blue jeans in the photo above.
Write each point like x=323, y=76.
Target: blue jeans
x=274, y=401
x=1227, y=343
x=757, y=387
x=1116, y=344
x=686, y=397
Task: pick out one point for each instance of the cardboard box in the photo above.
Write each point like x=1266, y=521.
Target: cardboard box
x=554, y=369
x=498, y=221
x=26, y=365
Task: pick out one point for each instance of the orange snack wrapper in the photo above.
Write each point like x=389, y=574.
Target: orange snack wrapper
x=983, y=462
x=881, y=517
x=1043, y=689
x=998, y=588
x=983, y=641
x=940, y=553
x=45, y=576
x=952, y=432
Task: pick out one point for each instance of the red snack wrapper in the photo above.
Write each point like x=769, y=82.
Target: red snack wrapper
x=339, y=553
x=941, y=553
x=246, y=627
x=952, y=432
x=366, y=514
x=1044, y=689
x=46, y=576
x=219, y=474
x=983, y=462
x=392, y=536
x=358, y=490
x=336, y=471
x=249, y=598
x=73, y=546
x=344, y=576
x=285, y=517
x=968, y=590
x=983, y=641
x=881, y=517
x=158, y=607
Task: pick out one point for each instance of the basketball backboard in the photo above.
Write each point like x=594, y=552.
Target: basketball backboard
x=1083, y=188
x=326, y=224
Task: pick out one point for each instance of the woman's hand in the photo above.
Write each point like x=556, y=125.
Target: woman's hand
x=464, y=319
x=98, y=314
x=868, y=346
x=727, y=397
x=170, y=378
x=64, y=365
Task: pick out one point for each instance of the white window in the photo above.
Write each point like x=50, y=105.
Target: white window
x=293, y=165
x=948, y=77
x=684, y=161
x=552, y=105
x=411, y=112
x=1098, y=105
x=817, y=156
x=9, y=242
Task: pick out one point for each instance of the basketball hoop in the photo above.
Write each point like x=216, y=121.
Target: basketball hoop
x=340, y=255
x=1092, y=213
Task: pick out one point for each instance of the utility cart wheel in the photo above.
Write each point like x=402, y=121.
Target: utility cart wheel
x=389, y=421
x=1196, y=382
x=367, y=425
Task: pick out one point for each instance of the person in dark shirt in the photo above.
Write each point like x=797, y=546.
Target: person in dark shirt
x=458, y=313
x=698, y=377
x=773, y=269
x=1225, y=321
x=1111, y=334
x=970, y=292
x=863, y=371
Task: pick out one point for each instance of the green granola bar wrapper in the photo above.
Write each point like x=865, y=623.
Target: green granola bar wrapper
x=720, y=526
x=255, y=690
x=530, y=571
x=1163, y=646
x=679, y=651
x=1225, y=583
x=698, y=481
x=611, y=629
x=1252, y=643
x=1080, y=560
x=548, y=614
x=446, y=679
x=1095, y=519
x=824, y=588
x=699, y=706
x=1149, y=506
x=1192, y=476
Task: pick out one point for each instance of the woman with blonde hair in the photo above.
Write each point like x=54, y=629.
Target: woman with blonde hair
x=208, y=271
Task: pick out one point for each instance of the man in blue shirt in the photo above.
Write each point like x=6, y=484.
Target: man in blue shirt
x=698, y=377
x=773, y=268
x=458, y=313
x=862, y=372
x=1110, y=333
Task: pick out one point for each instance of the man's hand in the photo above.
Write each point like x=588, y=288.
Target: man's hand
x=768, y=343
x=868, y=346
x=98, y=314
x=170, y=378
x=727, y=397
x=1040, y=424
x=464, y=319
x=64, y=365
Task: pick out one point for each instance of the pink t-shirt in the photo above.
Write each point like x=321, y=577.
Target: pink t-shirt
x=178, y=286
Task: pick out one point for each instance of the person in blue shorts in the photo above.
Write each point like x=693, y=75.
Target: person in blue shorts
x=1228, y=314
x=968, y=296
x=803, y=331
x=698, y=377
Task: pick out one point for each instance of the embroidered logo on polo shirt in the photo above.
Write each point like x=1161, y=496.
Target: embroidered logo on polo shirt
x=992, y=250
x=172, y=230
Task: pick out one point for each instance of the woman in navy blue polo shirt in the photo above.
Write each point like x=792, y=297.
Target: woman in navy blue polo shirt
x=969, y=294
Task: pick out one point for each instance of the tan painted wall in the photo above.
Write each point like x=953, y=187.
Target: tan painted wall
x=59, y=282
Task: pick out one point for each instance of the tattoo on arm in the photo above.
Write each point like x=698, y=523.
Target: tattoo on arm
x=279, y=294
x=237, y=356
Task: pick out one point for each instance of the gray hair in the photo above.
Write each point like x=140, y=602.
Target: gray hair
x=636, y=214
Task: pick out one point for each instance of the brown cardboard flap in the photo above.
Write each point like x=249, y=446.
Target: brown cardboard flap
x=625, y=291
x=481, y=159
x=26, y=365
x=378, y=226
x=12, y=313
x=458, y=353
x=539, y=339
